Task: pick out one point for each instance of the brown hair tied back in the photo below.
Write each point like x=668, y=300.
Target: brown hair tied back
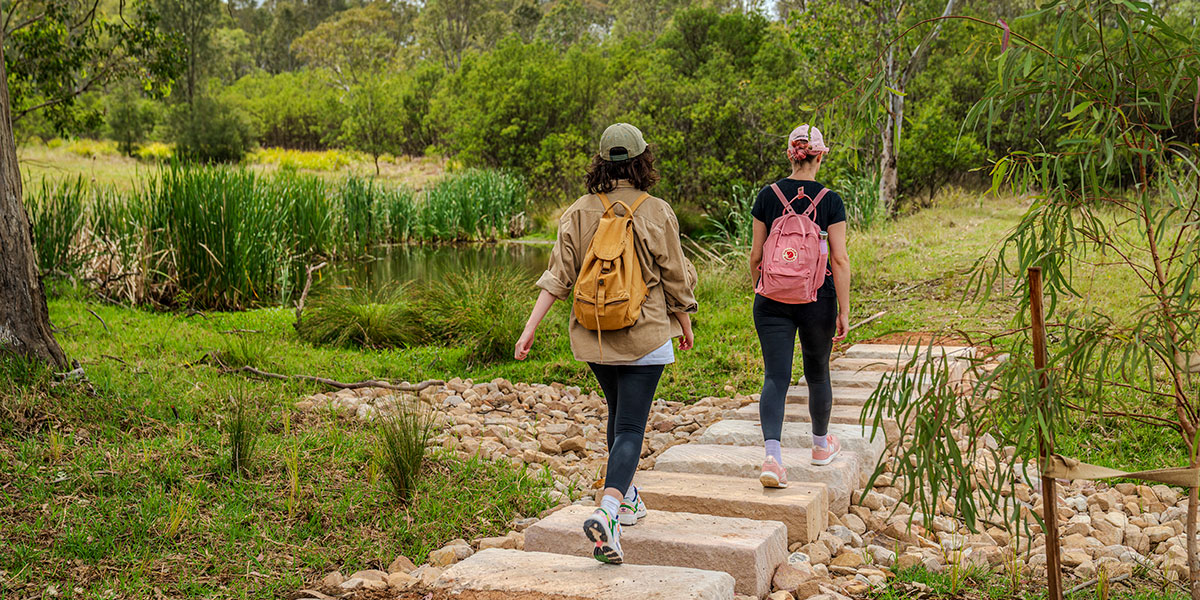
x=602, y=175
x=799, y=152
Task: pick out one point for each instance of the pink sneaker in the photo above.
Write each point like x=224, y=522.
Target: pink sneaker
x=824, y=456
x=773, y=474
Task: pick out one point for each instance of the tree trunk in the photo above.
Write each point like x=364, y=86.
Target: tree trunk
x=888, y=159
x=1193, y=560
x=24, y=318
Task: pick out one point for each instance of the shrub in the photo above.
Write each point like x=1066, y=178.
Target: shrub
x=91, y=148
x=155, y=152
x=358, y=316
x=404, y=441
x=210, y=131
x=481, y=311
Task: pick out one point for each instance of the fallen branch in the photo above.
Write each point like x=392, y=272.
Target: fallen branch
x=235, y=331
x=1093, y=581
x=866, y=320
x=400, y=387
x=99, y=319
x=304, y=293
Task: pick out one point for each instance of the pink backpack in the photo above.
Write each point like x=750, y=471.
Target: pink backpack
x=795, y=255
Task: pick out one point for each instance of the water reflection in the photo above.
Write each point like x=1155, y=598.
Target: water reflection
x=395, y=264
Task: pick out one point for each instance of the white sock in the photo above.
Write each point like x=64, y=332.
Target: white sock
x=821, y=441
x=774, y=450
x=610, y=505
x=631, y=495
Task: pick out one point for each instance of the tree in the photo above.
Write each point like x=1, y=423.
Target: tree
x=374, y=122
x=91, y=48
x=355, y=45
x=450, y=28
x=57, y=50
x=130, y=118
x=191, y=22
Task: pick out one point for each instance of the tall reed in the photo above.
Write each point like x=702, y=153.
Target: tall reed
x=473, y=204
x=56, y=211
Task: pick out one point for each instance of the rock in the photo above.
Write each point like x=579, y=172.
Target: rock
x=809, y=589
x=908, y=561
x=354, y=583
x=549, y=446
x=832, y=542
x=1086, y=570
x=1165, y=494
x=401, y=580
x=818, y=553
x=333, y=579
x=573, y=444
x=1158, y=533
x=427, y=575
x=370, y=575
x=788, y=577
x=401, y=565
x=849, y=559
x=1072, y=557
x=1137, y=539
x=449, y=555
x=504, y=541
x=780, y=595
x=798, y=557
x=881, y=556
x=855, y=524
x=522, y=524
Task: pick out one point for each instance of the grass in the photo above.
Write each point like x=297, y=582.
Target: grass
x=125, y=491
x=403, y=439
x=57, y=161
x=383, y=317
x=983, y=585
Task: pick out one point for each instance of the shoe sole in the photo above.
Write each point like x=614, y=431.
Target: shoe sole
x=825, y=461
x=771, y=480
x=603, y=552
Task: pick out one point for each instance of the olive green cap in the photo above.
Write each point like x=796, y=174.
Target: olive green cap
x=621, y=141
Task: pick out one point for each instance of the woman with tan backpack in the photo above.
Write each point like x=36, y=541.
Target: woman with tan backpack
x=618, y=247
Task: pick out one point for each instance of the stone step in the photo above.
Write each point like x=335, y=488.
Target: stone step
x=748, y=550
x=798, y=413
x=803, y=507
x=843, y=476
x=855, y=438
x=496, y=574
x=868, y=380
x=857, y=396
x=891, y=351
x=887, y=365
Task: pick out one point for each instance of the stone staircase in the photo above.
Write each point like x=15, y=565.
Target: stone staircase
x=712, y=532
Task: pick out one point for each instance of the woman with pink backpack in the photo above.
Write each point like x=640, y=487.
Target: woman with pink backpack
x=801, y=273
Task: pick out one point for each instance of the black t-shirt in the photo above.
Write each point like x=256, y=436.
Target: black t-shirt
x=767, y=208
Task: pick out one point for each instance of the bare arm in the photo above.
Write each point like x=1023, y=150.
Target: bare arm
x=540, y=308
x=756, y=250
x=839, y=260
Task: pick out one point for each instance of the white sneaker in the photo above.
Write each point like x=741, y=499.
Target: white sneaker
x=632, y=511
x=605, y=530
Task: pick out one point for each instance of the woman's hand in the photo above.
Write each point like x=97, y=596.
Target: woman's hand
x=843, y=326
x=524, y=343
x=688, y=341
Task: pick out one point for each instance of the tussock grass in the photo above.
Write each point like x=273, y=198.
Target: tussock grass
x=244, y=430
x=403, y=438
x=385, y=317
x=476, y=310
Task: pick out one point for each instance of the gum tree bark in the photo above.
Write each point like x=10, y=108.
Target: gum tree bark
x=24, y=318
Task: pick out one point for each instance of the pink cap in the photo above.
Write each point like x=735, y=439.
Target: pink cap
x=805, y=141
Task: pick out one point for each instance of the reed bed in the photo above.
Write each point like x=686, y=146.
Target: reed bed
x=212, y=237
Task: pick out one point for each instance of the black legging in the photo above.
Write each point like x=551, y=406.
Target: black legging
x=629, y=391
x=777, y=324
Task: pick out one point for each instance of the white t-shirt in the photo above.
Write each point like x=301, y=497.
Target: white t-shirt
x=663, y=355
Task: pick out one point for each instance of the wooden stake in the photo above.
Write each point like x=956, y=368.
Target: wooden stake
x=1046, y=441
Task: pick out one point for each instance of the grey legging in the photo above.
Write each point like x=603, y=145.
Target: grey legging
x=629, y=392
x=777, y=325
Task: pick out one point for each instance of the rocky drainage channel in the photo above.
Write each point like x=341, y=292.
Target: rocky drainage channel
x=713, y=532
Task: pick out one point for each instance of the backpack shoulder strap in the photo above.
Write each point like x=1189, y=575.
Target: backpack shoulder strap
x=637, y=203
x=604, y=201
x=812, y=208
x=787, y=206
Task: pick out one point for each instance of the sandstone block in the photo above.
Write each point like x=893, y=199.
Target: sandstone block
x=748, y=550
x=841, y=476
x=494, y=574
x=802, y=507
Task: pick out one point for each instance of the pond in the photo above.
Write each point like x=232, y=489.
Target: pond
x=396, y=264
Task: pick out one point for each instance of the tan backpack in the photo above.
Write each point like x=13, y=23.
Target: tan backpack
x=610, y=290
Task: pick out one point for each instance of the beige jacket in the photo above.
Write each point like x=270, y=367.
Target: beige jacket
x=669, y=275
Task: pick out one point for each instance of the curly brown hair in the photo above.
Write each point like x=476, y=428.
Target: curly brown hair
x=602, y=175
